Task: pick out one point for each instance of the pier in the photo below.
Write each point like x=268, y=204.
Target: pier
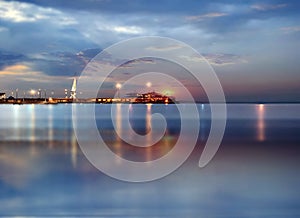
x=131, y=98
x=151, y=97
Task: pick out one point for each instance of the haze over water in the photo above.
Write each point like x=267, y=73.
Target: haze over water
x=254, y=174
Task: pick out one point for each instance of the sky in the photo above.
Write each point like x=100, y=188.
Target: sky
x=253, y=46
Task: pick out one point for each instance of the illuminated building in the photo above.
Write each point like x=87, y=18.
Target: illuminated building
x=154, y=97
x=2, y=95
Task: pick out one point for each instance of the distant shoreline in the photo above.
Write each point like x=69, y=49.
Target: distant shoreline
x=55, y=101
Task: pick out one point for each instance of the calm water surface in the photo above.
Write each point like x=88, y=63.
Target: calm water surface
x=254, y=174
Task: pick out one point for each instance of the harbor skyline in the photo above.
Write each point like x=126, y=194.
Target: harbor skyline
x=70, y=96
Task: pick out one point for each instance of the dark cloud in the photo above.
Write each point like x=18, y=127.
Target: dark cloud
x=10, y=58
x=237, y=17
x=40, y=37
x=131, y=63
x=89, y=53
x=65, y=63
x=60, y=63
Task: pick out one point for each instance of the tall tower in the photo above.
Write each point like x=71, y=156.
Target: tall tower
x=73, y=89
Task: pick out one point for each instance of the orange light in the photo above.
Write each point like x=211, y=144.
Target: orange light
x=261, y=106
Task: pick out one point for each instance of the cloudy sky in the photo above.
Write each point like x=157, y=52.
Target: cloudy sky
x=253, y=46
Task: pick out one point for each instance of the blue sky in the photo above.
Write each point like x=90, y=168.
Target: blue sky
x=253, y=46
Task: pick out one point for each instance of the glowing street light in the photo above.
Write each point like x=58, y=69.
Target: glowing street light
x=32, y=92
x=149, y=84
x=66, y=93
x=118, y=86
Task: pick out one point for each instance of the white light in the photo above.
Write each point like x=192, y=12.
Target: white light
x=118, y=85
x=148, y=84
x=32, y=92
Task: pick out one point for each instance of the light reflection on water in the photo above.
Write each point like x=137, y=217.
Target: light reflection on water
x=74, y=150
x=118, y=141
x=50, y=126
x=254, y=174
x=16, y=120
x=261, y=122
x=32, y=123
x=148, y=136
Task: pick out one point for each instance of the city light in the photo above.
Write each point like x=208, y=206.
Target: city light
x=148, y=84
x=39, y=96
x=32, y=92
x=118, y=85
